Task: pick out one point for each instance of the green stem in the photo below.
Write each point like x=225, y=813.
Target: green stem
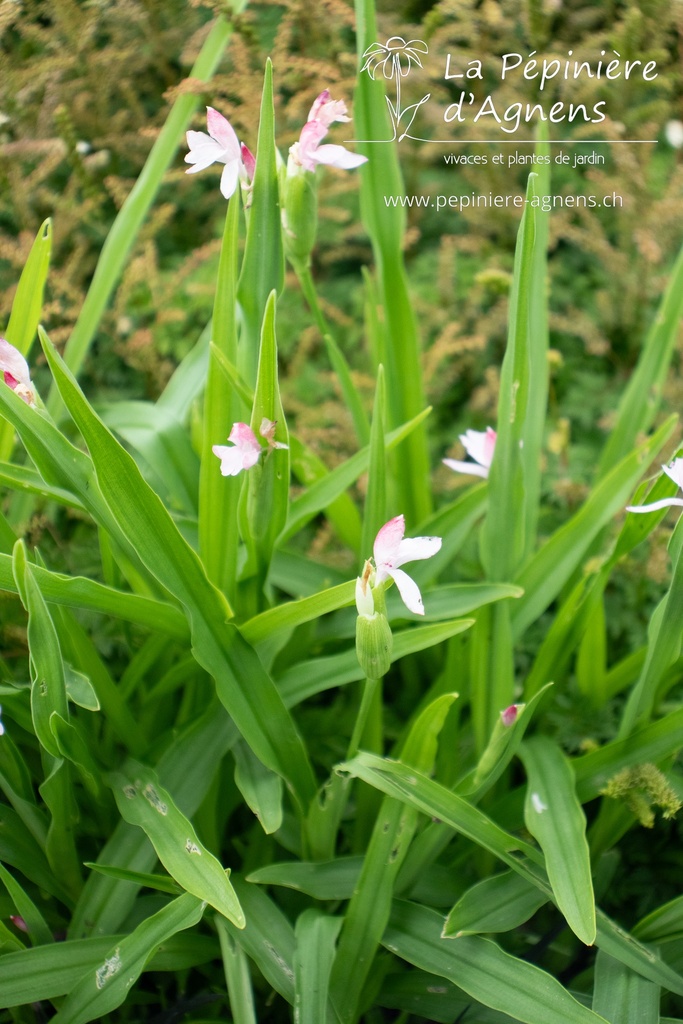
x=366, y=703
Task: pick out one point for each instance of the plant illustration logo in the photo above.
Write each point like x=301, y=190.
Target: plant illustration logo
x=394, y=59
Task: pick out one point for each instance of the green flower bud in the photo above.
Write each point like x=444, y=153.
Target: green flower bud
x=374, y=644
x=300, y=217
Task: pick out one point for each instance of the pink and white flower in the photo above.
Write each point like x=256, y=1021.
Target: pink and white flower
x=479, y=445
x=246, y=448
x=221, y=146
x=392, y=550
x=675, y=472
x=15, y=372
x=307, y=153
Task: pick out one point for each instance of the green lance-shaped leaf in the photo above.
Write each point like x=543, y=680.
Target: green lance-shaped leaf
x=80, y=592
x=242, y=684
x=640, y=401
x=621, y=996
x=267, y=483
x=263, y=261
x=555, y=818
x=496, y=904
x=261, y=789
x=375, y=513
x=48, y=688
x=219, y=495
x=104, y=989
x=316, y=934
x=664, y=644
x=368, y=911
x=385, y=224
x=131, y=216
x=483, y=970
x=323, y=880
x=143, y=802
x=505, y=536
x=237, y=976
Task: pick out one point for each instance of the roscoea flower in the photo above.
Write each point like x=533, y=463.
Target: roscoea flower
x=249, y=163
x=246, y=447
x=307, y=153
x=675, y=472
x=221, y=146
x=15, y=372
x=395, y=57
x=326, y=110
x=392, y=550
x=479, y=445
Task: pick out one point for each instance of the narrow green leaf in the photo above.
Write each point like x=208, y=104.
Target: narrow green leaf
x=505, y=538
x=79, y=592
x=100, y=991
x=142, y=801
x=483, y=970
x=48, y=688
x=162, y=883
x=22, y=478
x=261, y=789
x=237, y=976
x=385, y=224
x=263, y=262
x=323, y=880
x=316, y=934
x=375, y=512
x=218, y=495
x=621, y=996
x=555, y=818
x=268, y=938
x=496, y=904
x=267, y=483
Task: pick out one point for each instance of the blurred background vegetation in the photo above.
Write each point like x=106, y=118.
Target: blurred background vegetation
x=86, y=85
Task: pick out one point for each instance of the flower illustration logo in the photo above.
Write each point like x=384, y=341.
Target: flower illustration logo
x=395, y=59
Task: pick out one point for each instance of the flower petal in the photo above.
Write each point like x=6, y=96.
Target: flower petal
x=664, y=503
x=232, y=459
x=203, y=152
x=12, y=362
x=675, y=471
x=470, y=468
x=387, y=543
x=229, y=178
x=414, y=549
x=480, y=445
x=409, y=591
x=243, y=436
x=365, y=604
x=337, y=156
x=223, y=132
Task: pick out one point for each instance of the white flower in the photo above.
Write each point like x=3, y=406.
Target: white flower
x=15, y=372
x=479, y=445
x=221, y=146
x=2, y=728
x=391, y=550
x=246, y=447
x=675, y=472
